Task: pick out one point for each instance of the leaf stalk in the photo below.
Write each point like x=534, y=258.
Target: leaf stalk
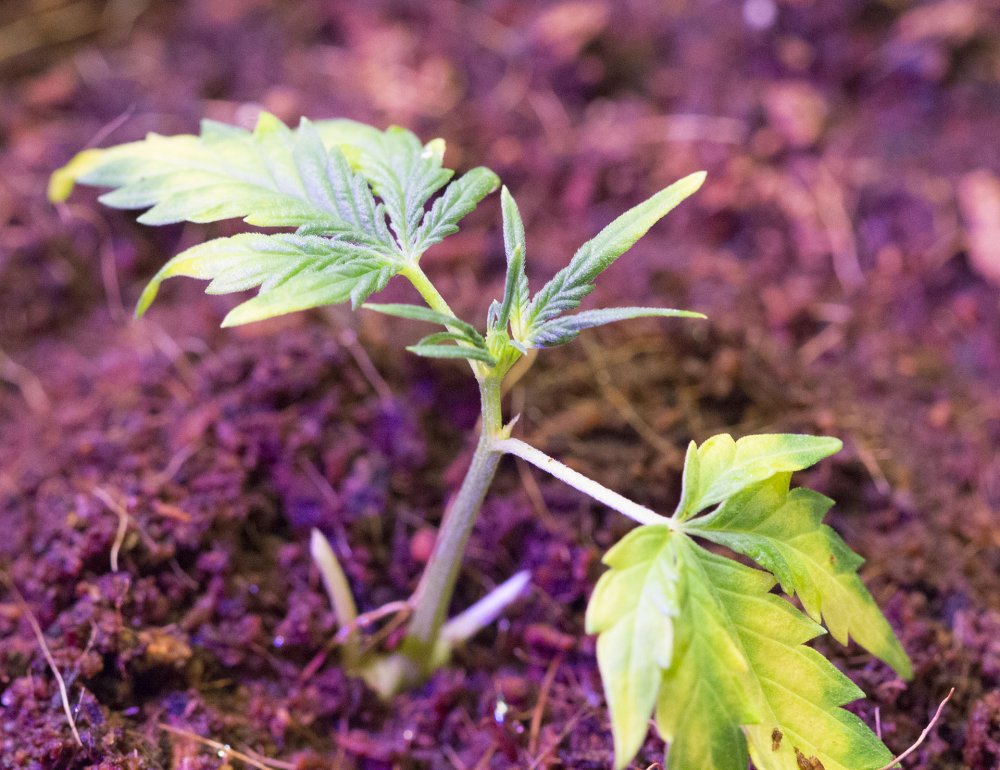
x=591, y=488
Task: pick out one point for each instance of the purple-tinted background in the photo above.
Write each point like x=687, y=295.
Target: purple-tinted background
x=846, y=247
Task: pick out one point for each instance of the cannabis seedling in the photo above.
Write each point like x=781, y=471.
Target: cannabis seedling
x=694, y=637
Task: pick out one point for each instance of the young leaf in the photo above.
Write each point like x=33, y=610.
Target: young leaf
x=453, y=351
x=632, y=609
x=294, y=272
x=420, y=313
x=561, y=330
x=785, y=697
x=575, y=281
x=515, y=295
x=783, y=532
x=721, y=467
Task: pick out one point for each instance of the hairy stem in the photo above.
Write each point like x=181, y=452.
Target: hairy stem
x=428, y=290
x=435, y=301
x=578, y=481
x=437, y=584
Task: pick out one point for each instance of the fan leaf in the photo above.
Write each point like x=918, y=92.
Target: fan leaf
x=294, y=272
x=781, y=704
x=783, y=532
x=632, y=609
x=721, y=467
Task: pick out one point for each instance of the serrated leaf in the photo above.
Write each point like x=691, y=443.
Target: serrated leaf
x=782, y=531
x=703, y=699
x=272, y=177
x=453, y=351
x=63, y=180
x=632, y=609
x=403, y=172
x=420, y=313
x=294, y=272
x=515, y=296
x=575, y=281
x=317, y=178
x=722, y=467
x=742, y=679
x=561, y=330
x=459, y=199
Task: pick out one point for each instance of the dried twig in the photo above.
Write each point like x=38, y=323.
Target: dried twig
x=539, y=711
x=63, y=693
x=620, y=402
x=227, y=751
x=349, y=339
x=570, y=725
x=366, y=619
x=123, y=518
x=26, y=382
x=923, y=735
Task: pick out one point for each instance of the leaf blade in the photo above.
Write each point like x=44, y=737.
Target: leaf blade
x=562, y=329
x=293, y=272
x=791, y=695
x=515, y=296
x=420, y=313
x=459, y=199
x=782, y=530
x=273, y=176
x=725, y=467
x=453, y=352
x=570, y=285
x=632, y=610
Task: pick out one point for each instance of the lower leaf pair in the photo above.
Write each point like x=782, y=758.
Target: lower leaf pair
x=700, y=641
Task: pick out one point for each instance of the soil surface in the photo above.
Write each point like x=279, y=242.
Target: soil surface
x=846, y=248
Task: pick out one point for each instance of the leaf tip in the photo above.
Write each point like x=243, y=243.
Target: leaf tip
x=239, y=316
x=63, y=180
x=146, y=298
x=698, y=178
x=831, y=445
x=61, y=184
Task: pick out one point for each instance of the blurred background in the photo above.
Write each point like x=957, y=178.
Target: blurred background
x=846, y=247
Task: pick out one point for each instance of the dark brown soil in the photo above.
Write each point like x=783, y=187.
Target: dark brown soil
x=845, y=248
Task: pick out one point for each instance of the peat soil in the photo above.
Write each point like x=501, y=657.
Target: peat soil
x=159, y=479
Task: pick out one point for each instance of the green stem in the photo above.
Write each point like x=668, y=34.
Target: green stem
x=435, y=301
x=638, y=513
x=428, y=291
x=437, y=584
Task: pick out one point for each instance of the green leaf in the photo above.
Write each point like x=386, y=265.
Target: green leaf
x=575, y=281
x=439, y=337
x=403, y=172
x=294, y=272
x=453, y=351
x=273, y=177
x=318, y=178
x=742, y=679
x=64, y=179
x=420, y=313
x=515, y=296
x=632, y=609
x=783, y=532
x=561, y=330
x=721, y=467
x=459, y=199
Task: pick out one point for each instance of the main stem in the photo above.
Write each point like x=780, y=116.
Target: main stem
x=437, y=584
